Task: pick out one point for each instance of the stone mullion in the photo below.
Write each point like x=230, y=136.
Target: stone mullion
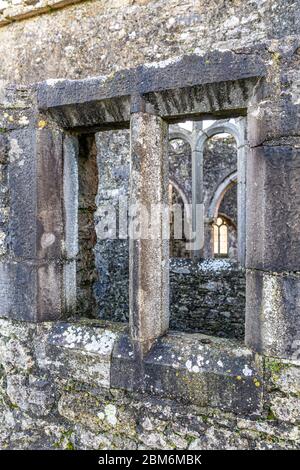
x=149, y=258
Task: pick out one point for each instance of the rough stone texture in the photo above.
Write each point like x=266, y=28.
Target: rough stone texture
x=4, y=194
x=52, y=397
x=42, y=406
x=207, y=297
x=274, y=174
x=126, y=33
x=272, y=312
x=30, y=265
x=112, y=256
x=87, y=191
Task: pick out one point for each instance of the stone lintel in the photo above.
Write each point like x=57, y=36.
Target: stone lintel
x=216, y=82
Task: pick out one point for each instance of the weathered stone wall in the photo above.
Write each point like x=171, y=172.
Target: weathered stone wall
x=220, y=160
x=208, y=297
x=99, y=37
x=112, y=257
x=64, y=386
x=180, y=166
x=57, y=392
x=4, y=196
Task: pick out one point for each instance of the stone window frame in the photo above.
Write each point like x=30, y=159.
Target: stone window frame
x=217, y=227
x=239, y=134
x=220, y=192
x=38, y=278
x=188, y=87
x=197, y=140
x=147, y=323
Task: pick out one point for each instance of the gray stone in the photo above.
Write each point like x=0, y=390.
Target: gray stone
x=286, y=409
x=272, y=320
x=207, y=297
x=199, y=369
x=79, y=353
x=3, y=148
x=273, y=208
x=193, y=70
x=148, y=253
x=271, y=121
x=30, y=394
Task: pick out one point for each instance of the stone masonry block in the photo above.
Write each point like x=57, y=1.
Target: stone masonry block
x=78, y=352
x=148, y=258
x=272, y=313
x=197, y=369
x=36, y=191
x=271, y=120
x=273, y=208
x=3, y=148
x=30, y=290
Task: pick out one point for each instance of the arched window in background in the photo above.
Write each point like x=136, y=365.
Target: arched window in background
x=178, y=241
x=220, y=237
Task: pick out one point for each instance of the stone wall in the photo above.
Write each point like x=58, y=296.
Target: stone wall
x=112, y=257
x=180, y=166
x=4, y=195
x=99, y=37
x=74, y=385
x=58, y=391
x=208, y=297
x=220, y=160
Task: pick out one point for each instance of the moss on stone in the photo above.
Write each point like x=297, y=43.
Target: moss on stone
x=65, y=441
x=275, y=368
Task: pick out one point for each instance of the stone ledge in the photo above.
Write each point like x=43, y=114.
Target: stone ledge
x=193, y=368
x=76, y=351
x=190, y=368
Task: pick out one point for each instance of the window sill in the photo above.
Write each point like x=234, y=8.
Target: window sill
x=192, y=368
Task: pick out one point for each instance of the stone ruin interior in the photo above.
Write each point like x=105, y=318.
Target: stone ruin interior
x=110, y=340
x=207, y=289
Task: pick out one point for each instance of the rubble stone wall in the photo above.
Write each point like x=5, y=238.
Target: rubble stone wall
x=208, y=297
x=73, y=385
x=57, y=392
